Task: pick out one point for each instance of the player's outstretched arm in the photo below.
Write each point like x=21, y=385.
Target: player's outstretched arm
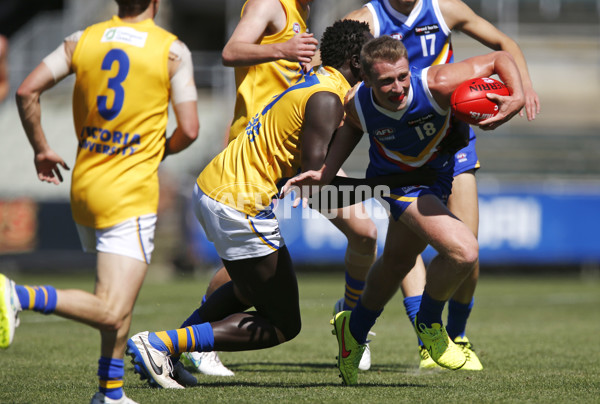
x=345, y=140
x=322, y=157
x=346, y=191
x=260, y=18
x=350, y=190
x=28, y=94
x=346, y=137
x=459, y=16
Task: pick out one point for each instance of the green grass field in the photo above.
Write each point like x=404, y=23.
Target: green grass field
x=537, y=337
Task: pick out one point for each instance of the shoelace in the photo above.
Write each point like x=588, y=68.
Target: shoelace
x=431, y=332
x=436, y=336
x=466, y=347
x=169, y=365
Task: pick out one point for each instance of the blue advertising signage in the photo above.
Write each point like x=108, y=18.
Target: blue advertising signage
x=533, y=224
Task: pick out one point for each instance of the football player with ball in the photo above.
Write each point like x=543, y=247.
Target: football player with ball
x=426, y=27
x=406, y=112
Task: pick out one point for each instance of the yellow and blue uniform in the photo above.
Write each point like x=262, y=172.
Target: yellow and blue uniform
x=427, y=39
x=120, y=105
x=245, y=175
x=255, y=85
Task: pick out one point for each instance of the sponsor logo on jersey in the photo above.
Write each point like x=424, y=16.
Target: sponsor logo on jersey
x=420, y=120
x=427, y=29
x=104, y=141
x=384, y=134
x=461, y=157
x=296, y=27
x=397, y=35
x=125, y=35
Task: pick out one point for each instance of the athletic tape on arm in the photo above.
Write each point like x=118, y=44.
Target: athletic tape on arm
x=182, y=83
x=58, y=62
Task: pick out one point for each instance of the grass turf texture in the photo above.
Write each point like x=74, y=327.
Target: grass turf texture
x=538, y=339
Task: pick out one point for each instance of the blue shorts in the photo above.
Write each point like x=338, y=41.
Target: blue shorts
x=466, y=159
x=401, y=198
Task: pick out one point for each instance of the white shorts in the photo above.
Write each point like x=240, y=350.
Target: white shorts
x=132, y=238
x=236, y=235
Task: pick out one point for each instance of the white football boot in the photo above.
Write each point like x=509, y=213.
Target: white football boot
x=151, y=363
x=207, y=363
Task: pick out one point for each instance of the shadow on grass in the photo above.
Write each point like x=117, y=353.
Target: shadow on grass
x=292, y=367
x=263, y=384
x=304, y=366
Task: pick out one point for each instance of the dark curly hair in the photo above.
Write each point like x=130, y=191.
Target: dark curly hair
x=342, y=40
x=132, y=7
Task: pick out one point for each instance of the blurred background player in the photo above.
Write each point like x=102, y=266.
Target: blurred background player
x=126, y=71
x=393, y=97
x=425, y=28
x=4, y=82
x=268, y=48
x=233, y=202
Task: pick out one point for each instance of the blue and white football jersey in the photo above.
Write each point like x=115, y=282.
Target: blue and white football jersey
x=407, y=139
x=423, y=32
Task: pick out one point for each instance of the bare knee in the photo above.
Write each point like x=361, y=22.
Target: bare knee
x=364, y=238
x=464, y=256
x=111, y=320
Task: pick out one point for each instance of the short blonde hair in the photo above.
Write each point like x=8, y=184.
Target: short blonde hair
x=385, y=48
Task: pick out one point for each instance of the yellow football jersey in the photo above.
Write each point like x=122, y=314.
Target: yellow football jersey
x=246, y=174
x=120, y=105
x=255, y=85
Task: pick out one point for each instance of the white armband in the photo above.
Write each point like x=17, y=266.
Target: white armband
x=183, y=87
x=58, y=62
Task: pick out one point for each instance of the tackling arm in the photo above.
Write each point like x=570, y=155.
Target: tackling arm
x=323, y=114
x=342, y=145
